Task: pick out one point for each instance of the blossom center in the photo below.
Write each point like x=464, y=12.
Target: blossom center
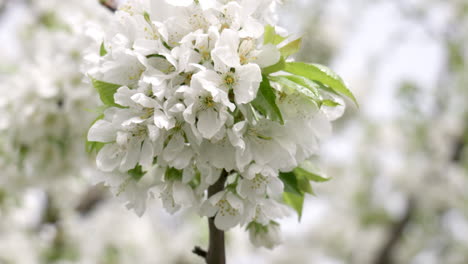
x=229, y=80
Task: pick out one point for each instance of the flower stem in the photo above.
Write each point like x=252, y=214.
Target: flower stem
x=216, y=252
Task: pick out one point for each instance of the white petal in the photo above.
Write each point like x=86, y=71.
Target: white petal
x=182, y=159
x=174, y=147
x=132, y=155
x=207, y=209
x=183, y=194
x=216, y=197
x=225, y=51
x=179, y=2
x=153, y=132
x=226, y=221
x=248, y=78
x=251, y=28
x=146, y=155
x=123, y=96
x=188, y=174
x=275, y=186
x=208, y=123
x=268, y=56
x=108, y=157
x=102, y=131
x=235, y=135
x=144, y=100
x=235, y=201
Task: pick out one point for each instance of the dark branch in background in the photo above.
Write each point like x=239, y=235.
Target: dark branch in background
x=216, y=253
x=109, y=4
x=385, y=255
x=50, y=214
x=90, y=200
x=460, y=145
x=458, y=150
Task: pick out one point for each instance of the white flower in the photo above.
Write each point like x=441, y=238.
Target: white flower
x=267, y=236
x=226, y=207
x=265, y=144
x=231, y=74
x=175, y=194
x=207, y=106
x=128, y=138
x=259, y=187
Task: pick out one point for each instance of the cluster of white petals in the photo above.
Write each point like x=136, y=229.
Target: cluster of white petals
x=45, y=105
x=184, y=113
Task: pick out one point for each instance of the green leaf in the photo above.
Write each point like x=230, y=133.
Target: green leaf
x=312, y=86
x=290, y=182
x=98, y=110
x=307, y=170
x=322, y=74
x=173, y=174
x=155, y=56
x=270, y=36
x=265, y=102
x=147, y=18
x=279, y=66
x=92, y=146
x=291, y=48
x=304, y=185
x=304, y=172
x=295, y=83
x=136, y=173
x=106, y=91
x=295, y=201
x=102, y=50
x=329, y=103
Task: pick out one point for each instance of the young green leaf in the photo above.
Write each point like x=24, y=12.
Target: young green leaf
x=173, y=174
x=279, y=66
x=102, y=50
x=311, y=85
x=288, y=82
x=304, y=185
x=270, y=36
x=92, y=146
x=322, y=74
x=295, y=201
x=291, y=48
x=301, y=172
x=265, y=102
x=147, y=18
x=136, y=173
x=106, y=91
x=290, y=183
x=329, y=103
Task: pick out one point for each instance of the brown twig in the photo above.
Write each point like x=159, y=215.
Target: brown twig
x=199, y=252
x=109, y=4
x=216, y=253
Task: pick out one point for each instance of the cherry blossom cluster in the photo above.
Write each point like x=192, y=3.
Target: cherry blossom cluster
x=198, y=93
x=45, y=105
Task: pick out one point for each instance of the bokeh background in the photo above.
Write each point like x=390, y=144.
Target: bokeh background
x=398, y=165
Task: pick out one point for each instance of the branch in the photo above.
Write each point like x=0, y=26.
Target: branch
x=109, y=4
x=91, y=199
x=199, y=252
x=216, y=253
x=395, y=235
x=460, y=144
